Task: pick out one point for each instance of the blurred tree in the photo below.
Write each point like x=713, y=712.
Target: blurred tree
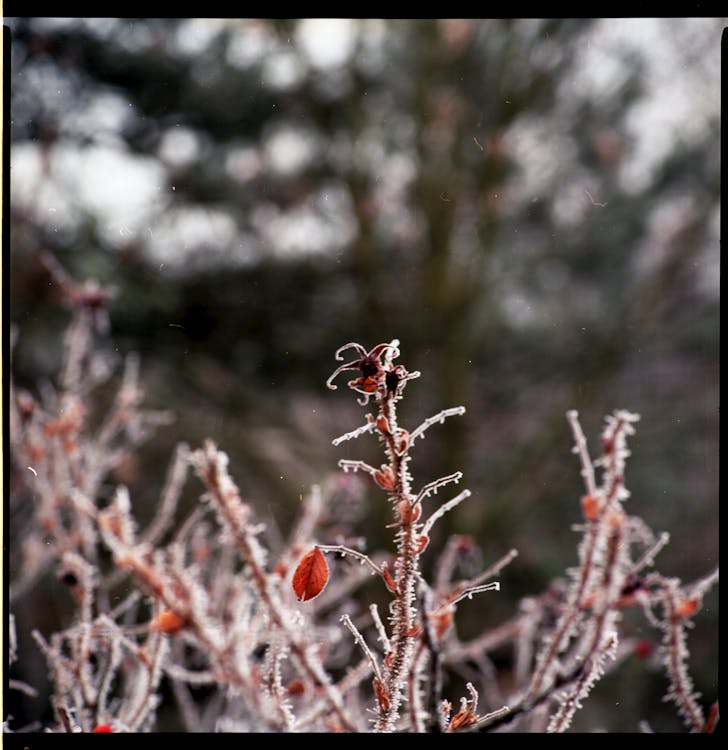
x=509, y=198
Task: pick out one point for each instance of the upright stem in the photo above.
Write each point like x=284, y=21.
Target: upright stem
x=397, y=667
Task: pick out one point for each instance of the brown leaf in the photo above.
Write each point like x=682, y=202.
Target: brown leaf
x=311, y=575
x=385, y=478
x=388, y=580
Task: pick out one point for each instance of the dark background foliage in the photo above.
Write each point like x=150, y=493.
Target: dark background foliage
x=529, y=206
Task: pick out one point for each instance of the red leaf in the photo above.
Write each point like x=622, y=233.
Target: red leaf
x=311, y=575
x=382, y=694
x=385, y=478
x=388, y=580
x=421, y=543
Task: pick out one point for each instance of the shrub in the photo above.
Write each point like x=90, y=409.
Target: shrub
x=198, y=611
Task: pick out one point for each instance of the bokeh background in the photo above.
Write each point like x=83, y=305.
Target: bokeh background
x=531, y=206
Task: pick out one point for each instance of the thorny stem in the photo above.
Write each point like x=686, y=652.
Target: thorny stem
x=385, y=382
x=227, y=501
x=588, y=552
x=681, y=687
x=406, y=569
x=431, y=643
x=527, y=705
x=379, y=625
x=587, y=468
x=649, y=555
x=453, y=412
x=414, y=697
x=468, y=593
x=449, y=505
x=359, y=638
x=66, y=453
x=434, y=486
x=493, y=570
x=595, y=652
x=158, y=649
x=223, y=493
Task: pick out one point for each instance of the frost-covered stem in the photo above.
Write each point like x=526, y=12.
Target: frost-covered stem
x=445, y=568
x=153, y=673
x=444, y=508
x=123, y=417
x=572, y=613
x=133, y=559
x=281, y=703
x=432, y=487
x=675, y=654
x=475, y=585
x=469, y=592
x=342, y=550
x=352, y=678
x=496, y=567
x=396, y=674
x=77, y=343
x=612, y=491
x=110, y=667
x=31, y=692
x=488, y=641
x=368, y=427
x=359, y=638
x=495, y=714
x=211, y=466
x=431, y=644
x=414, y=695
x=701, y=586
x=452, y=412
x=350, y=465
x=313, y=507
x=176, y=476
x=504, y=716
x=601, y=641
x=580, y=447
x=649, y=555
x=379, y=625
x=188, y=710
x=379, y=378
x=64, y=717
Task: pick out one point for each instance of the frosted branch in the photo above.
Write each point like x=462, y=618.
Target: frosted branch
x=362, y=644
x=368, y=427
x=440, y=418
x=444, y=509
x=433, y=487
x=349, y=465
x=587, y=467
x=360, y=556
